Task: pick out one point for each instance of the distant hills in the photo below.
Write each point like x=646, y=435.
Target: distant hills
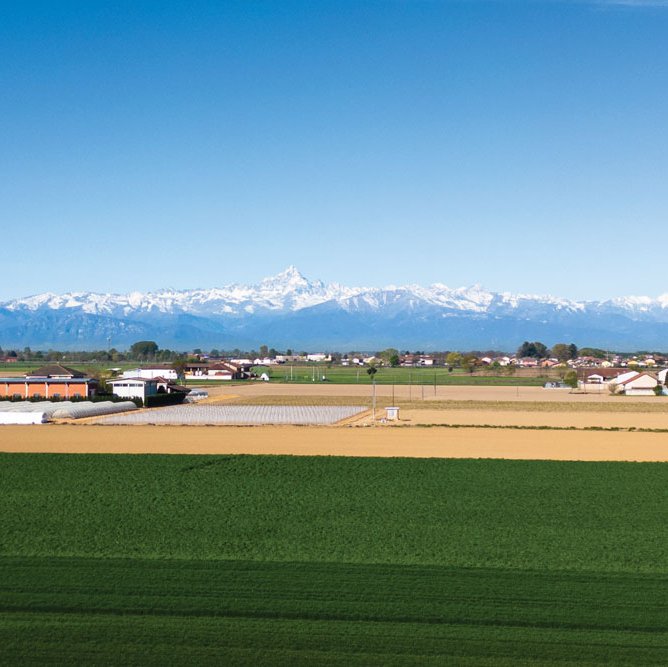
x=288, y=310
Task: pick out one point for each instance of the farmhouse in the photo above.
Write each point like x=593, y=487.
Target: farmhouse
x=599, y=375
x=638, y=384
x=197, y=368
x=223, y=370
x=52, y=381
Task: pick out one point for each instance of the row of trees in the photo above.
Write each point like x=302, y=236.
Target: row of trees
x=140, y=351
x=537, y=350
x=150, y=351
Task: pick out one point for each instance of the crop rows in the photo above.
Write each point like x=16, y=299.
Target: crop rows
x=465, y=513
x=195, y=612
x=330, y=561
x=237, y=414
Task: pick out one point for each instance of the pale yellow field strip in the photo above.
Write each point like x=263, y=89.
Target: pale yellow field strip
x=481, y=417
x=328, y=441
x=220, y=398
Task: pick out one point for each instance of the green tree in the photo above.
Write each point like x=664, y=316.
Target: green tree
x=469, y=362
x=564, y=352
x=537, y=350
x=561, y=351
x=143, y=349
x=179, y=365
x=453, y=359
x=389, y=355
x=593, y=352
x=571, y=379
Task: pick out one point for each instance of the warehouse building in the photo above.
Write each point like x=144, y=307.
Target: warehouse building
x=52, y=381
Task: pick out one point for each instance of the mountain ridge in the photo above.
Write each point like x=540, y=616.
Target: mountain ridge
x=303, y=313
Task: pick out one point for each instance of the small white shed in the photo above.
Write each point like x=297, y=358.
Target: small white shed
x=392, y=414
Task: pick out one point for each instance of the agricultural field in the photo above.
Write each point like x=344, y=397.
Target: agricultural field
x=619, y=414
x=277, y=560
x=435, y=393
x=515, y=442
x=319, y=373
x=237, y=414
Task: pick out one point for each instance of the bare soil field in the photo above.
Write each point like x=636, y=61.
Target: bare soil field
x=562, y=419
x=493, y=406
x=335, y=441
x=426, y=393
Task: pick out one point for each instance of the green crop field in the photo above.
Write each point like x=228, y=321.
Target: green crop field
x=314, y=373
x=308, y=561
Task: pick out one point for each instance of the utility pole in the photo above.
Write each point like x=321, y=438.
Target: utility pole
x=373, y=402
x=372, y=370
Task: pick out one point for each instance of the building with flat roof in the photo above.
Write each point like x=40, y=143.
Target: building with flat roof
x=47, y=388
x=52, y=381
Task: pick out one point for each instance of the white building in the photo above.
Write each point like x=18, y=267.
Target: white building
x=641, y=384
x=318, y=356
x=151, y=373
x=135, y=387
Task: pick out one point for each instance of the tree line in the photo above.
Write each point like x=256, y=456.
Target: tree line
x=149, y=351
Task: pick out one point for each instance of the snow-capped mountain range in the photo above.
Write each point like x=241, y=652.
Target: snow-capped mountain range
x=288, y=310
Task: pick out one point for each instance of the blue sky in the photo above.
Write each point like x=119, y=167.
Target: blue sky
x=519, y=145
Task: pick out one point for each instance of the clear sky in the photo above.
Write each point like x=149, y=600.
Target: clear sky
x=519, y=145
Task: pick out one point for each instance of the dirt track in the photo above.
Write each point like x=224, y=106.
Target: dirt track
x=378, y=441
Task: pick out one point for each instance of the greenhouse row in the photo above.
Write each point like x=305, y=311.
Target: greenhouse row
x=238, y=414
x=39, y=412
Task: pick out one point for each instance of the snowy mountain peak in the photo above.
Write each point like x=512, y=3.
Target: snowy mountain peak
x=288, y=301
x=290, y=279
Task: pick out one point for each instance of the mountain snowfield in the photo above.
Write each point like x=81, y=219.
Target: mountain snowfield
x=288, y=310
